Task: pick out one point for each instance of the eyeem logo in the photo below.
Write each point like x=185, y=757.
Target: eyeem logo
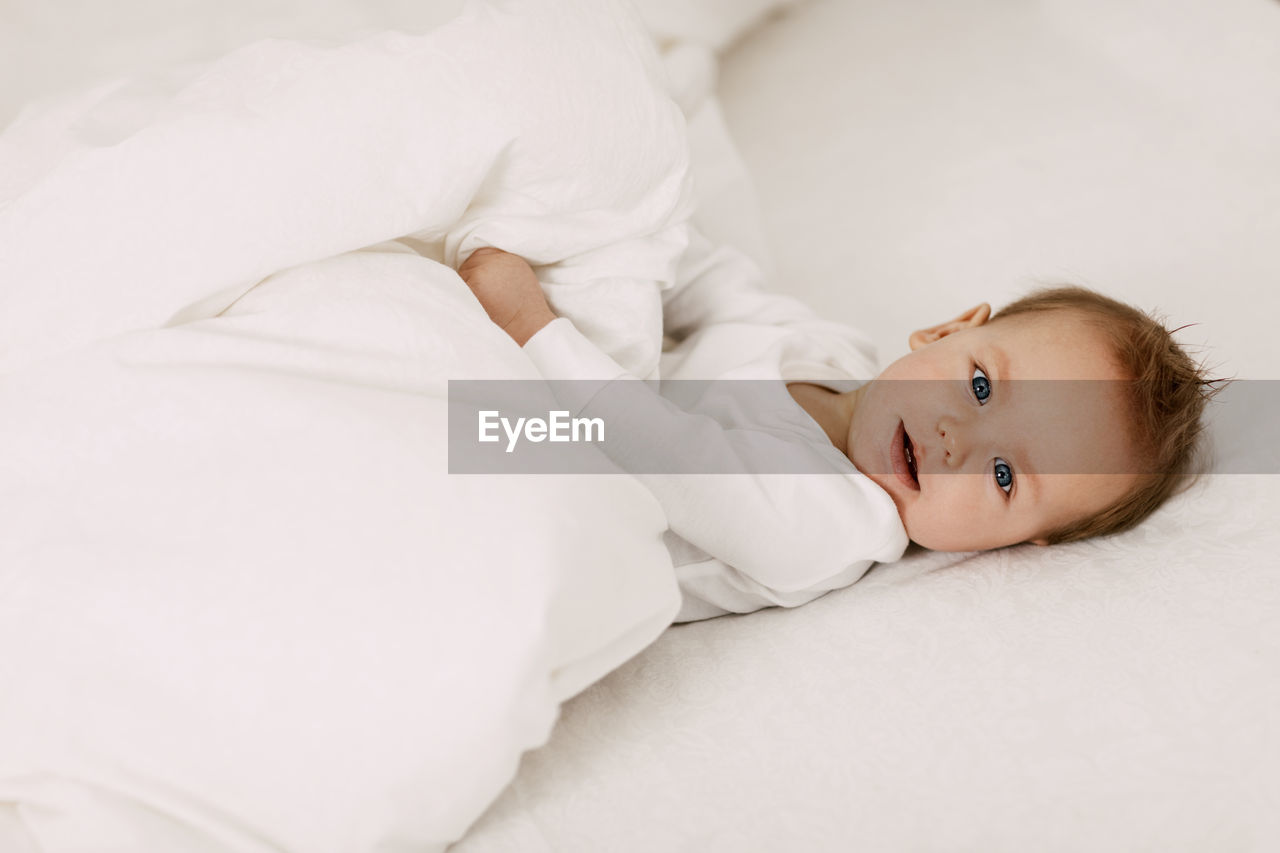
x=557, y=427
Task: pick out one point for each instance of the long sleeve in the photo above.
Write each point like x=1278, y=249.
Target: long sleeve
x=786, y=531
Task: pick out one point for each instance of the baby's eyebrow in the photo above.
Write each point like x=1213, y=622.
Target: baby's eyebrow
x=1031, y=481
x=1028, y=476
x=1001, y=359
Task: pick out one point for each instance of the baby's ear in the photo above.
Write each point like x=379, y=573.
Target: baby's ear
x=970, y=319
x=1041, y=542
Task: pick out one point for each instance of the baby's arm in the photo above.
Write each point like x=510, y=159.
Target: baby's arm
x=786, y=531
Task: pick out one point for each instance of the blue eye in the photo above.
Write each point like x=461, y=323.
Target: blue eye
x=1004, y=475
x=981, y=385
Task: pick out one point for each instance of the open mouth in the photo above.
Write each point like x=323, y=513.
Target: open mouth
x=908, y=449
x=904, y=458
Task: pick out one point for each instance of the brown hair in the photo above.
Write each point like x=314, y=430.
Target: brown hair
x=1167, y=401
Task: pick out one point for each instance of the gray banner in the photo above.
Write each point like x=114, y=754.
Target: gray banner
x=756, y=427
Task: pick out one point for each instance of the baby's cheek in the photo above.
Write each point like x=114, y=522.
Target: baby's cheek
x=945, y=518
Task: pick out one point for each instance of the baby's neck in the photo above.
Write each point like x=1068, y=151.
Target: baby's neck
x=832, y=411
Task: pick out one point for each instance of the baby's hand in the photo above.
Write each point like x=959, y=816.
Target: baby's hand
x=509, y=291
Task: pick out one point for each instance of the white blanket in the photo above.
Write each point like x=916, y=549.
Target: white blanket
x=542, y=128
x=243, y=606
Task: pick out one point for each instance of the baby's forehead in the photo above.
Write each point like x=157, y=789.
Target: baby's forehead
x=1044, y=319
x=1055, y=344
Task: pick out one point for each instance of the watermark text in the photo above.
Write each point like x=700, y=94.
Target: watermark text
x=557, y=426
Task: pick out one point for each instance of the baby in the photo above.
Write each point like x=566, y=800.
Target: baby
x=1041, y=462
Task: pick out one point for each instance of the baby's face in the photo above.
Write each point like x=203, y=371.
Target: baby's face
x=998, y=460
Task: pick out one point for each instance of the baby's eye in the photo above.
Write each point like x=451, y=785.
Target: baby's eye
x=981, y=385
x=1004, y=475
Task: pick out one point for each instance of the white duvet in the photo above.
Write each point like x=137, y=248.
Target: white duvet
x=541, y=128
x=243, y=605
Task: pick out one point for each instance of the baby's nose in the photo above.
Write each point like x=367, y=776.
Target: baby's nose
x=947, y=430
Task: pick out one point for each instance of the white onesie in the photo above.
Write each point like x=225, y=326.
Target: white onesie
x=740, y=542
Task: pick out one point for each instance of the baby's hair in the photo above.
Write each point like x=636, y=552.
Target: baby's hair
x=1167, y=402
